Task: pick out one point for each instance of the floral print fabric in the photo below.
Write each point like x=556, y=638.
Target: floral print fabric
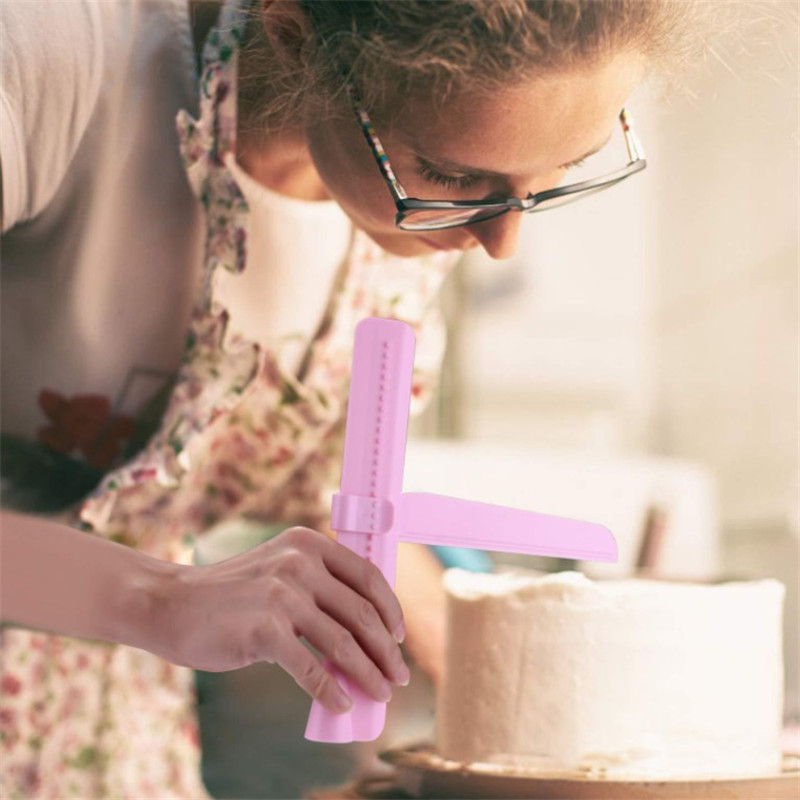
x=241, y=436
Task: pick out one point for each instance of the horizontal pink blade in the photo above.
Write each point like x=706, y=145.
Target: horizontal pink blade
x=451, y=522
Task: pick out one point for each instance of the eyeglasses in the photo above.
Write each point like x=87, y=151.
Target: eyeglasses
x=414, y=214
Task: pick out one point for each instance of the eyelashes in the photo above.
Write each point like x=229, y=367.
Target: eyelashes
x=579, y=163
x=459, y=182
x=446, y=181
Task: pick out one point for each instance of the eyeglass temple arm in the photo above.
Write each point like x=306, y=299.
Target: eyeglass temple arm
x=381, y=159
x=632, y=144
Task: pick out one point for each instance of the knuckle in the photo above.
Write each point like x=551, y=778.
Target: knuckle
x=367, y=615
x=312, y=677
x=298, y=532
x=262, y=639
x=247, y=651
x=279, y=596
x=373, y=579
x=292, y=537
x=300, y=536
x=294, y=565
x=344, y=647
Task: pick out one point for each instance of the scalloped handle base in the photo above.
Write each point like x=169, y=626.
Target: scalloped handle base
x=363, y=723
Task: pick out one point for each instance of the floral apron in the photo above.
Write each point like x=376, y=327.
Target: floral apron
x=241, y=437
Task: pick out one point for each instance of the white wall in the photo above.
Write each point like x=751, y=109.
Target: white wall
x=564, y=358
x=728, y=341
x=727, y=204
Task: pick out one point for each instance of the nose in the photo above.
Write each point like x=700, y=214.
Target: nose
x=498, y=236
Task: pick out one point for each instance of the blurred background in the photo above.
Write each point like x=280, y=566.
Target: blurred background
x=635, y=364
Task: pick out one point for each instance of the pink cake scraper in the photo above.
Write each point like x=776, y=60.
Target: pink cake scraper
x=371, y=515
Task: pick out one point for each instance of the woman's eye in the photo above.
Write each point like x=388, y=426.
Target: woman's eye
x=447, y=181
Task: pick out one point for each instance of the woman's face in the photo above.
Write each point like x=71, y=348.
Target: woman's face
x=517, y=141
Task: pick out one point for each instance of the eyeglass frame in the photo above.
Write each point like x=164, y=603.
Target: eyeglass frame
x=405, y=204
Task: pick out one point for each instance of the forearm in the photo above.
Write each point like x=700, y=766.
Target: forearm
x=421, y=593
x=61, y=580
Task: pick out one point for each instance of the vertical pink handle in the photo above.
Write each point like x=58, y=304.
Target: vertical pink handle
x=372, y=482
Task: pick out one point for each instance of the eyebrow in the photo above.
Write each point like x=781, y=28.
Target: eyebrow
x=454, y=166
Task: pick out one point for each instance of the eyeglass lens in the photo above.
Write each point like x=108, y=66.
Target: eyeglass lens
x=431, y=219
x=424, y=219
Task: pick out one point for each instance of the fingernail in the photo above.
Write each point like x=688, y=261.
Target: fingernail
x=343, y=703
x=385, y=693
x=400, y=633
x=403, y=675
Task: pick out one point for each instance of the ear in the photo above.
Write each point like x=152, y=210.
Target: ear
x=286, y=27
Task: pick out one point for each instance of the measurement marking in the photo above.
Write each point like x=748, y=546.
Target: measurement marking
x=376, y=445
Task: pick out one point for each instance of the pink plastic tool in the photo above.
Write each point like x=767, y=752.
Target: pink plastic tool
x=371, y=515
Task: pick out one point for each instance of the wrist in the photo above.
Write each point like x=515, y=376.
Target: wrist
x=145, y=605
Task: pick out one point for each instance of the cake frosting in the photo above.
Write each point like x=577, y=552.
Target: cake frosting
x=630, y=679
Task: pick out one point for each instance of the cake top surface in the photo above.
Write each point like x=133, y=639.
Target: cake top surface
x=524, y=583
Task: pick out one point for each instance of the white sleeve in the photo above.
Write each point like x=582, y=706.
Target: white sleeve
x=51, y=66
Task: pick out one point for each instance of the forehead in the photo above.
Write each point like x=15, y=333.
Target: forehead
x=525, y=128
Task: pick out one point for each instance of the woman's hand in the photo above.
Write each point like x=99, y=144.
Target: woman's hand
x=254, y=607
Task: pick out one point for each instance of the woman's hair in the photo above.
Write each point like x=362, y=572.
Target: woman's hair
x=388, y=48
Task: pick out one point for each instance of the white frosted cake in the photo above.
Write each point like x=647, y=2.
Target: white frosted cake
x=627, y=679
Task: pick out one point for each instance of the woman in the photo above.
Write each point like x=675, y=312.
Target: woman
x=178, y=316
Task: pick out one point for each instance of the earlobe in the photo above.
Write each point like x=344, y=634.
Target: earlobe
x=286, y=27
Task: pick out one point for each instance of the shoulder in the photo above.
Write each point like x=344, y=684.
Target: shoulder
x=52, y=54
x=46, y=32
x=60, y=61
x=49, y=82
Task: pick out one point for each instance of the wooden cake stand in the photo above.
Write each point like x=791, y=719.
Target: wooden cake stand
x=421, y=773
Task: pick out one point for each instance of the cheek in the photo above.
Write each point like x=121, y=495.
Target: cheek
x=552, y=180
x=351, y=177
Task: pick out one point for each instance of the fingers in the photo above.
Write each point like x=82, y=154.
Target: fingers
x=339, y=645
x=368, y=581
x=342, y=605
x=311, y=676
x=358, y=615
